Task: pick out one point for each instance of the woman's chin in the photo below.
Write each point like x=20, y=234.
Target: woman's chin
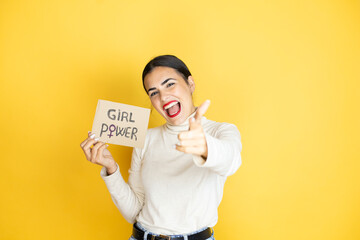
x=178, y=118
x=174, y=121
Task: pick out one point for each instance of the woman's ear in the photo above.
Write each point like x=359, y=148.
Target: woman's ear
x=191, y=84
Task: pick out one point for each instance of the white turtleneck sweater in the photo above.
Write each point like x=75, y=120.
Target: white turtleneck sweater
x=171, y=192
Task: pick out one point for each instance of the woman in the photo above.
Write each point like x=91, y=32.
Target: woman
x=176, y=181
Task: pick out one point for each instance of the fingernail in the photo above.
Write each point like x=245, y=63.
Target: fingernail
x=96, y=139
x=192, y=119
x=92, y=135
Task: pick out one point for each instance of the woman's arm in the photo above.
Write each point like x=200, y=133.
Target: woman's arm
x=224, y=150
x=219, y=151
x=128, y=197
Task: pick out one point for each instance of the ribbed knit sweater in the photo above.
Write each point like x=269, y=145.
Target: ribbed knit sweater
x=171, y=192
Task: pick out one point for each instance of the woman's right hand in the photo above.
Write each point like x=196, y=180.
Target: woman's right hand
x=97, y=152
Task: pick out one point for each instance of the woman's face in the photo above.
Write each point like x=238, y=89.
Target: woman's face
x=170, y=95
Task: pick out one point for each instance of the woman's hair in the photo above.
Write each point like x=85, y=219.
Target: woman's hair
x=167, y=61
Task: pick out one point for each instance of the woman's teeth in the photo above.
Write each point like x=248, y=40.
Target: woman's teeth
x=173, y=109
x=170, y=105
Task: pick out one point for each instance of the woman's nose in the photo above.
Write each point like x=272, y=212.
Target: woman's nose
x=163, y=96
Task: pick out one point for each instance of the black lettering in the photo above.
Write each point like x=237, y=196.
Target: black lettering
x=126, y=116
x=120, y=131
x=127, y=132
x=112, y=117
x=133, y=132
x=102, y=128
x=130, y=118
x=119, y=115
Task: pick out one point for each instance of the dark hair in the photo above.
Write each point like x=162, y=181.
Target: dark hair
x=167, y=61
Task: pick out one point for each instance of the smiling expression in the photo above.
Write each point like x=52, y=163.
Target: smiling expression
x=170, y=95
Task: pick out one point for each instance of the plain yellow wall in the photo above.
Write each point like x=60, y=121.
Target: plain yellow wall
x=285, y=72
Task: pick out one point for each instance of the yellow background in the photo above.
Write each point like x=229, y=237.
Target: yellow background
x=285, y=72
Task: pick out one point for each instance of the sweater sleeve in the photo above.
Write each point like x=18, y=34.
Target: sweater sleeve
x=224, y=150
x=128, y=197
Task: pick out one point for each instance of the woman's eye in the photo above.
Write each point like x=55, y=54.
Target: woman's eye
x=170, y=84
x=153, y=94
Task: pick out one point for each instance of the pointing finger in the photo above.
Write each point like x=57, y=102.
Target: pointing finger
x=202, y=110
x=195, y=122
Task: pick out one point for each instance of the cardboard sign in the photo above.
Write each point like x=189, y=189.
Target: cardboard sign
x=121, y=124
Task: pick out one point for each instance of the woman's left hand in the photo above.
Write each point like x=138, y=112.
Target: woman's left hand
x=193, y=141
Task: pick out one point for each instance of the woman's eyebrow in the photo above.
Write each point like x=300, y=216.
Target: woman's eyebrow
x=163, y=83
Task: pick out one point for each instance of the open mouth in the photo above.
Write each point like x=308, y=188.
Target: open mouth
x=172, y=108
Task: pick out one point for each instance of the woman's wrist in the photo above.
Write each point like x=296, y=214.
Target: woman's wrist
x=111, y=168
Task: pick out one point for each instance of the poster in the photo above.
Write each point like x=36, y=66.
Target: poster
x=121, y=124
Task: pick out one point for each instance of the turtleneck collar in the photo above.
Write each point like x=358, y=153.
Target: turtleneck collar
x=175, y=129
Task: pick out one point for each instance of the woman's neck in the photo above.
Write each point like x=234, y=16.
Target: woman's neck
x=184, y=126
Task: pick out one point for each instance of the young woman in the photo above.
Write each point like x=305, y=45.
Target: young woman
x=176, y=181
